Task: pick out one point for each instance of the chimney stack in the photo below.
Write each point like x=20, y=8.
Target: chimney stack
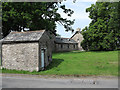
x=78, y=30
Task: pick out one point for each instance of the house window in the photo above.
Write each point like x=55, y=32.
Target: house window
x=68, y=45
x=74, y=46
x=61, y=46
x=46, y=44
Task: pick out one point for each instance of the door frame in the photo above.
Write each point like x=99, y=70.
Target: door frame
x=44, y=51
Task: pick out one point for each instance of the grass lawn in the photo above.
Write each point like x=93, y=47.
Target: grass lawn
x=80, y=63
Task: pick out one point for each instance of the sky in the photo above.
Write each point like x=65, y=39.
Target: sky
x=80, y=16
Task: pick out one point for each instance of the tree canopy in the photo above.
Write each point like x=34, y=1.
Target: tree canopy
x=103, y=32
x=17, y=16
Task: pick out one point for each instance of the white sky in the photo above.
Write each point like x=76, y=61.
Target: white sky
x=80, y=15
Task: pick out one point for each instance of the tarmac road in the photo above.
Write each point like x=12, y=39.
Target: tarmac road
x=31, y=82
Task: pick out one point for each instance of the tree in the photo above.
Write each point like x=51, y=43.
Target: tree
x=58, y=35
x=103, y=32
x=34, y=16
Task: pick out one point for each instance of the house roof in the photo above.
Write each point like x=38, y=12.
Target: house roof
x=75, y=34
x=64, y=40
x=23, y=36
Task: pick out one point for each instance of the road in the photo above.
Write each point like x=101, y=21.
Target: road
x=31, y=82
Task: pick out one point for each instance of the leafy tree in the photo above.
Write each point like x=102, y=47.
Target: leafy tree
x=58, y=34
x=34, y=16
x=103, y=32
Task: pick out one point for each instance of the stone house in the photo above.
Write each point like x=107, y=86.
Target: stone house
x=78, y=38
x=65, y=44
x=29, y=51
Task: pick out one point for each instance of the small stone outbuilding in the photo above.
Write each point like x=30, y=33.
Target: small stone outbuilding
x=29, y=51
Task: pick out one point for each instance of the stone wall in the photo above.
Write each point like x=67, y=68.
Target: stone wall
x=46, y=43
x=21, y=56
x=51, y=40
x=65, y=47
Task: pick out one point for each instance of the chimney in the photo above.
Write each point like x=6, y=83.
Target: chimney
x=78, y=30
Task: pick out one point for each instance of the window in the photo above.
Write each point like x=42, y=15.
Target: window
x=68, y=45
x=61, y=46
x=46, y=44
x=74, y=46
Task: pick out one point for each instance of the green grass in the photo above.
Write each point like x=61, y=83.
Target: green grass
x=80, y=63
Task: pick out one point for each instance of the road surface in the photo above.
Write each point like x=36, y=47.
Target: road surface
x=32, y=82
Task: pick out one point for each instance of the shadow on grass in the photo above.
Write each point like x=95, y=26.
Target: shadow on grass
x=54, y=63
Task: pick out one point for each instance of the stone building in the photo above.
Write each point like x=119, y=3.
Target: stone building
x=29, y=51
x=78, y=38
x=65, y=44
x=32, y=50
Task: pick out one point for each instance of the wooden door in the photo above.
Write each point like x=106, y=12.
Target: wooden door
x=42, y=58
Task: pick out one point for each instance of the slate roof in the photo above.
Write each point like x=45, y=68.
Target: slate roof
x=64, y=40
x=23, y=36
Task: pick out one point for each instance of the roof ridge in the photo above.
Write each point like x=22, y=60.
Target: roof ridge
x=28, y=31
